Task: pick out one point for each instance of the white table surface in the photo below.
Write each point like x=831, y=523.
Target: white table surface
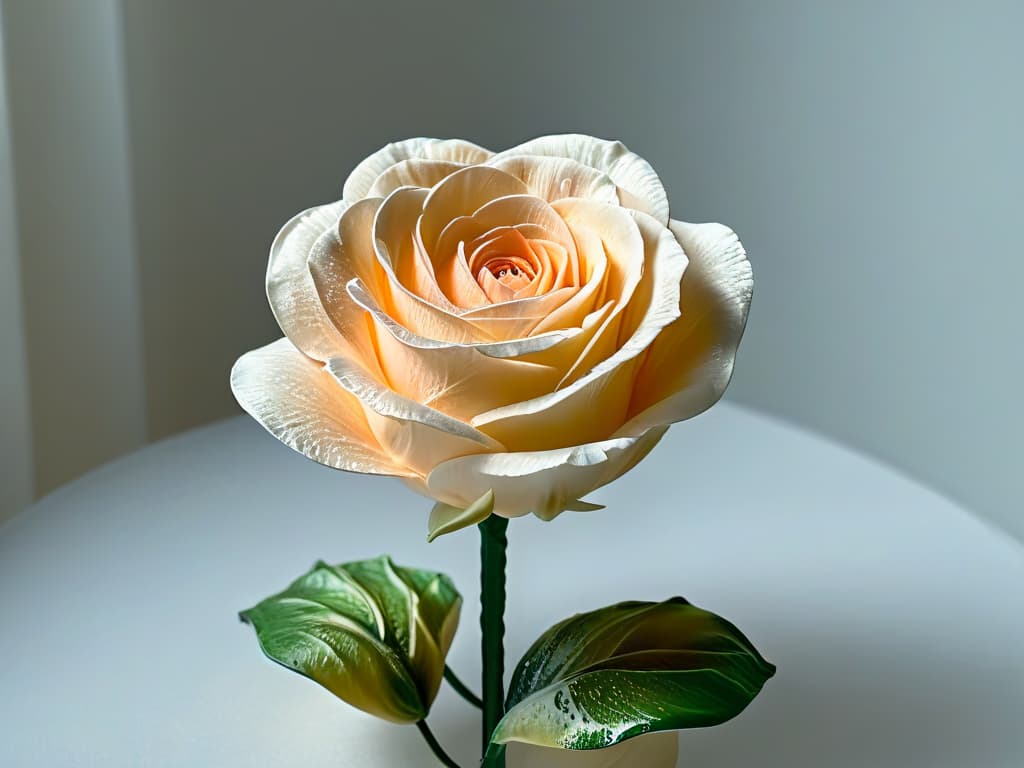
x=895, y=617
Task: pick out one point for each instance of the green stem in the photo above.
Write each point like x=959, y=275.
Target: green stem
x=493, y=544
x=435, y=746
x=461, y=688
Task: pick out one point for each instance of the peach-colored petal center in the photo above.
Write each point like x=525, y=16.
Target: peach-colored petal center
x=504, y=256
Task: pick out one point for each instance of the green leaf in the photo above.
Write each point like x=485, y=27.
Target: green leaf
x=602, y=677
x=444, y=518
x=373, y=633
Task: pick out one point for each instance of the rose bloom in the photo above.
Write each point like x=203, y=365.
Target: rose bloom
x=526, y=323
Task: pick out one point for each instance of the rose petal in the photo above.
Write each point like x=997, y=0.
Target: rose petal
x=567, y=353
x=358, y=184
x=399, y=249
x=458, y=283
x=652, y=750
x=595, y=406
x=618, y=241
x=689, y=366
x=339, y=255
x=519, y=317
x=583, y=301
x=412, y=173
x=414, y=435
x=458, y=380
x=461, y=194
x=517, y=210
x=509, y=348
x=639, y=186
x=542, y=482
x=290, y=288
x=410, y=294
x=554, y=178
x=301, y=405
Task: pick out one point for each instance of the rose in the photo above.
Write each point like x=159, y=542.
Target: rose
x=520, y=326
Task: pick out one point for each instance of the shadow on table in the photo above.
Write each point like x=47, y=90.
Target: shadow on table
x=907, y=701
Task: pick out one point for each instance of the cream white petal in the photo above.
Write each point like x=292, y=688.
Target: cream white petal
x=619, y=243
x=583, y=301
x=500, y=349
x=595, y=405
x=542, y=482
x=652, y=750
x=456, y=379
x=412, y=173
x=689, y=366
x=399, y=249
x=341, y=253
x=508, y=210
x=358, y=184
x=414, y=435
x=409, y=293
x=300, y=404
x=461, y=194
x=290, y=288
x=639, y=186
x=520, y=317
x=554, y=178
x=568, y=352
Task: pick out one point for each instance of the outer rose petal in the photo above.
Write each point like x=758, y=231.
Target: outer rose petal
x=412, y=173
x=654, y=750
x=689, y=365
x=358, y=184
x=554, y=178
x=290, y=289
x=301, y=405
x=414, y=435
x=542, y=482
x=639, y=186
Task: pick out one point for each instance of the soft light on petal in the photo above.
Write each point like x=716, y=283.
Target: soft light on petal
x=618, y=241
x=554, y=178
x=290, y=288
x=520, y=317
x=358, y=184
x=639, y=186
x=412, y=173
x=542, y=482
x=399, y=249
x=689, y=365
x=512, y=348
x=413, y=434
x=301, y=405
x=461, y=194
x=343, y=253
x=595, y=405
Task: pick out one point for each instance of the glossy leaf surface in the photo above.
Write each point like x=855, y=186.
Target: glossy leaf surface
x=599, y=678
x=373, y=633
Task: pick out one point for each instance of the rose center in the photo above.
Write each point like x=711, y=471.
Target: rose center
x=510, y=272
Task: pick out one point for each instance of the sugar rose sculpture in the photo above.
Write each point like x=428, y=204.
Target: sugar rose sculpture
x=506, y=332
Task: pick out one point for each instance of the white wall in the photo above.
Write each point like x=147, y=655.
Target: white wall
x=75, y=234
x=15, y=427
